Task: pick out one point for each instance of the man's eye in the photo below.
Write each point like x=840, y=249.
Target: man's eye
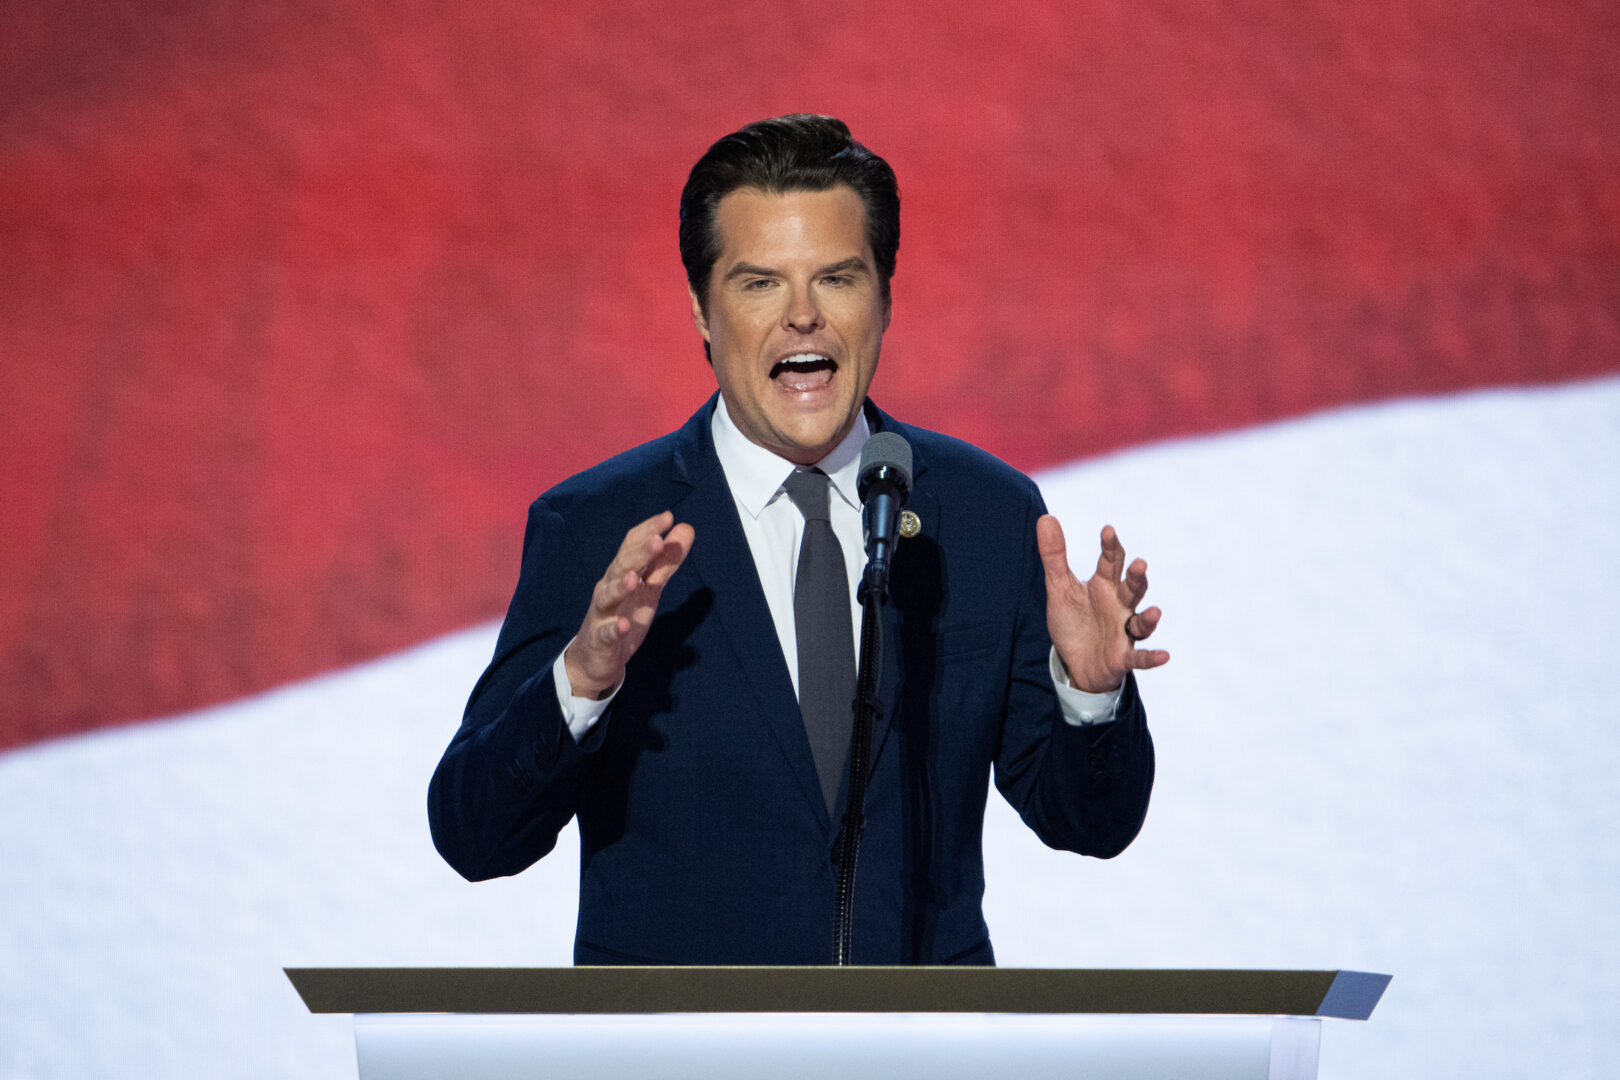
x=758, y=284
x=836, y=279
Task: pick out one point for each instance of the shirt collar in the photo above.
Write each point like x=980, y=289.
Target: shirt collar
x=755, y=474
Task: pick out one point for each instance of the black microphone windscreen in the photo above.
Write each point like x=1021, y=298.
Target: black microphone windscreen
x=887, y=450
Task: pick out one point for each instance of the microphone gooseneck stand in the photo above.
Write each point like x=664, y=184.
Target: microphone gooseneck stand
x=885, y=481
x=873, y=594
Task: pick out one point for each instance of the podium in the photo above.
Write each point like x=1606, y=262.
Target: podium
x=846, y=1023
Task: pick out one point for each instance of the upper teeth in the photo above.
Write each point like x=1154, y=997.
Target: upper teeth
x=804, y=358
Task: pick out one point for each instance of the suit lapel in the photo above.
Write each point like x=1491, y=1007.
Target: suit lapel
x=722, y=560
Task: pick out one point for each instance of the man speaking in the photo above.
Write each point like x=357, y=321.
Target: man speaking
x=677, y=666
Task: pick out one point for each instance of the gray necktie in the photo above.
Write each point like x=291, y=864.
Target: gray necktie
x=822, y=624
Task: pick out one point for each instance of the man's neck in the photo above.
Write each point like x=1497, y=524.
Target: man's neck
x=755, y=472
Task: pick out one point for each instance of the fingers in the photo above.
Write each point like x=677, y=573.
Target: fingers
x=640, y=545
x=612, y=591
x=608, y=631
x=1139, y=625
x=1135, y=584
x=1111, y=560
x=676, y=543
x=641, y=555
x=1143, y=659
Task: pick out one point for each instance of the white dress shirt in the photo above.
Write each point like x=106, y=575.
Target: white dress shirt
x=774, y=529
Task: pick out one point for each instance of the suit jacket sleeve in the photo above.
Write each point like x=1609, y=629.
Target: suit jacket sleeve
x=1081, y=788
x=511, y=778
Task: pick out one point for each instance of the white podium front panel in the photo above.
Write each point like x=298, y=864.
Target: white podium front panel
x=935, y=1046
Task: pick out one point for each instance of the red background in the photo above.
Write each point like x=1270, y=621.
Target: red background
x=300, y=305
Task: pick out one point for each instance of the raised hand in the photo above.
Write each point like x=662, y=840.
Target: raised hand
x=623, y=604
x=1094, y=623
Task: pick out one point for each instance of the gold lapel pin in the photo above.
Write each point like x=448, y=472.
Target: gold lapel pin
x=910, y=524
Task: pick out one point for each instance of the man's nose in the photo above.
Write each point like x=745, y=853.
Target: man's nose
x=803, y=312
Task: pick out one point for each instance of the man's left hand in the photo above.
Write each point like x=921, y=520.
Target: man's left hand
x=1094, y=623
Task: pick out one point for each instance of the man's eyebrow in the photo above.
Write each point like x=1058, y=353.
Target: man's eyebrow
x=748, y=270
x=854, y=262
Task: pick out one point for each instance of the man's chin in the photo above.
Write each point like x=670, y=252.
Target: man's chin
x=806, y=435
x=806, y=447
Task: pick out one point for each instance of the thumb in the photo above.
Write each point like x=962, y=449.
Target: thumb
x=1049, y=541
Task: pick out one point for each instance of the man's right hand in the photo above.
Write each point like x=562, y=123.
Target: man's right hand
x=623, y=604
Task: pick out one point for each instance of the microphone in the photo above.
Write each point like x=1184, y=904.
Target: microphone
x=883, y=484
x=885, y=481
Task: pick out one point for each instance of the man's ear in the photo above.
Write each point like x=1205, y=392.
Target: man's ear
x=698, y=318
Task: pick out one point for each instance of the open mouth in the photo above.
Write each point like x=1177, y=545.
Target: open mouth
x=804, y=371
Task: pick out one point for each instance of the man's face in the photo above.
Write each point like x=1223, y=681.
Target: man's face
x=795, y=318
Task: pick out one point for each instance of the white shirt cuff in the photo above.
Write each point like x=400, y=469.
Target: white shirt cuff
x=580, y=713
x=1080, y=707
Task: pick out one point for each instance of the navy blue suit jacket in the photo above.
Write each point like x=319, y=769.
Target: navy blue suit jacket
x=704, y=837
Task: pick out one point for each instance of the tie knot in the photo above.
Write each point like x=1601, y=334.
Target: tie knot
x=808, y=490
